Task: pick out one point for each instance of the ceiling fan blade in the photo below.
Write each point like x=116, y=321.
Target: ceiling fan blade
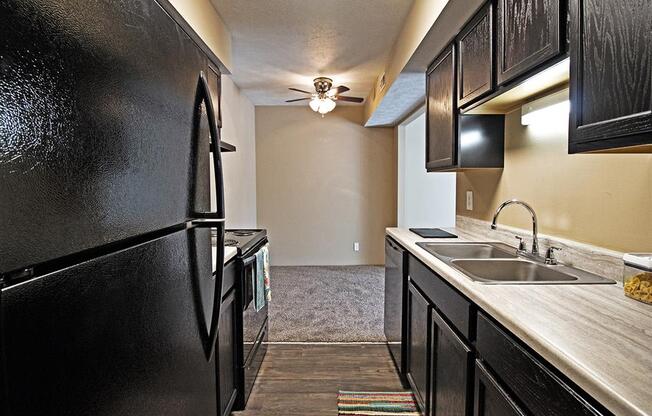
x=296, y=99
x=340, y=89
x=298, y=90
x=350, y=99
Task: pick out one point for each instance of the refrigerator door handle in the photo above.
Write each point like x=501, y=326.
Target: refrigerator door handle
x=213, y=219
x=210, y=327
x=207, y=221
x=217, y=155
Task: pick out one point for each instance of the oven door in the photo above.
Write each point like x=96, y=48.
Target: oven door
x=252, y=320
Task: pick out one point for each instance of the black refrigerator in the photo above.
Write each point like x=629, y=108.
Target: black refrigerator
x=109, y=302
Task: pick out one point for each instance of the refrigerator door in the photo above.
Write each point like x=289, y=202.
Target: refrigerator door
x=97, y=121
x=123, y=334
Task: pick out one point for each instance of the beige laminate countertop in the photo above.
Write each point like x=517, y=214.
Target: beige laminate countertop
x=229, y=253
x=593, y=334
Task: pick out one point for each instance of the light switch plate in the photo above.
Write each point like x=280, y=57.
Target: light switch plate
x=356, y=246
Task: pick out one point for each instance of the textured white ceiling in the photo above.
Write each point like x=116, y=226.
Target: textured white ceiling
x=286, y=43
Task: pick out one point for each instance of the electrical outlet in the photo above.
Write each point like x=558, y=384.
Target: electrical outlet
x=469, y=200
x=356, y=246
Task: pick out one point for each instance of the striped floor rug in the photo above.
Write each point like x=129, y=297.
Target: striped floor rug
x=364, y=403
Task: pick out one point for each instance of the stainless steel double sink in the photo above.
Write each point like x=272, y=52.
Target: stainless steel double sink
x=497, y=263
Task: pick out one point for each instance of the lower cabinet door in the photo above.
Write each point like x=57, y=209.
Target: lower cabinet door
x=418, y=346
x=452, y=365
x=490, y=398
x=226, y=350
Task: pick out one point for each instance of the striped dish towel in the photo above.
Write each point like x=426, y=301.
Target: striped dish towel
x=363, y=403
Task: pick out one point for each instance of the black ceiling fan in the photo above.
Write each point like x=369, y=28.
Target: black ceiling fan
x=324, y=89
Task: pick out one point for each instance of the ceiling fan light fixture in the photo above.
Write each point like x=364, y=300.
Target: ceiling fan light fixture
x=325, y=98
x=314, y=104
x=327, y=105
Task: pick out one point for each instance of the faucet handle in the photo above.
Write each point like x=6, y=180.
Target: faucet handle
x=550, y=255
x=521, y=243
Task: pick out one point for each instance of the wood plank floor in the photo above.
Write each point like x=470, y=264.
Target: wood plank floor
x=303, y=380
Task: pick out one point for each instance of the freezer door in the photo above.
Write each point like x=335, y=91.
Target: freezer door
x=124, y=334
x=98, y=125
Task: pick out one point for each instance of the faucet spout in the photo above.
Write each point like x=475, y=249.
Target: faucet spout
x=535, y=233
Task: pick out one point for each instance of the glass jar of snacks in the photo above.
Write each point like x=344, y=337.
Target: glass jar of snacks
x=637, y=277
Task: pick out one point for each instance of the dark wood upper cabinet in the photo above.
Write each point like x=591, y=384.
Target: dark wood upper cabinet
x=475, y=57
x=611, y=74
x=441, y=119
x=455, y=142
x=528, y=33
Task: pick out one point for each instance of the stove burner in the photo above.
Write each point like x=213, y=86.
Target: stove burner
x=229, y=242
x=243, y=233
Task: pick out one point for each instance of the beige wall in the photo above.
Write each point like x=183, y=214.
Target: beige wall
x=238, y=120
x=324, y=183
x=204, y=19
x=599, y=199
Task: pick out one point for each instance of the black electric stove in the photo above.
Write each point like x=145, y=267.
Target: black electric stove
x=251, y=324
x=244, y=240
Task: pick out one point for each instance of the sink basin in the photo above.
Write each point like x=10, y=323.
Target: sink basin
x=497, y=263
x=469, y=250
x=512, y=271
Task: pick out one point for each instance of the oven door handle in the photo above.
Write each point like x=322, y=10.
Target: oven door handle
x=251, y=259
x=248, y=288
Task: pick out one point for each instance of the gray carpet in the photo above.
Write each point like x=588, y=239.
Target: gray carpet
x=327, y=303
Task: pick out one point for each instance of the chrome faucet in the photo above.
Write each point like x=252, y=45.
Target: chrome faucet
x=535, y=238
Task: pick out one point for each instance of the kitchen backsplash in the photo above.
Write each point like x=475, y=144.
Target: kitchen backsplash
x=601, y=261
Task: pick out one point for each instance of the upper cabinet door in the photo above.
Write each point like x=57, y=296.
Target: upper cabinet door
x=475, y=57
x=441, y=121
x=528, y=34
x=611, y=74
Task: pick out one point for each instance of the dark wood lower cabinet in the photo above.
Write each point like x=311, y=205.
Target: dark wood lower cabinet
x=452, y=369
x=418, y=346
x=226, y=351
x=539, y=389
x=460, y=362
x=490, y=399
